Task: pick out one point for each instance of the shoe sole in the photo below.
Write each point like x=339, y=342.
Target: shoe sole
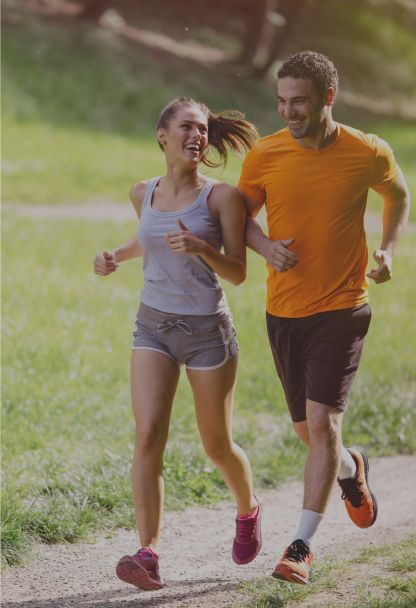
x=129, y=571
x=285, y=574
x=366, y=469
x=253, y=557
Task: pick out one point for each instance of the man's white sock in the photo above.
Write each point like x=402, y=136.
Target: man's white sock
x=348, y=467
x=308, y=527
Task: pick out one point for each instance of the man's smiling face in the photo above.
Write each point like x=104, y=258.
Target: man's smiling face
x=301, y=106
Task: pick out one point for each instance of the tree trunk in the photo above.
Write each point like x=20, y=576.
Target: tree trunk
x=93, y=9
x=295, y=12
x=256, y=14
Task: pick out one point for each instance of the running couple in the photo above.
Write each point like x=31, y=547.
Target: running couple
x=314, y=178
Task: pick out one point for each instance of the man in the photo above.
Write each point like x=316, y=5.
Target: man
x=314, y=178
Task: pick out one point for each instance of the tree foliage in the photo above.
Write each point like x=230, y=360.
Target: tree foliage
x=264, y=29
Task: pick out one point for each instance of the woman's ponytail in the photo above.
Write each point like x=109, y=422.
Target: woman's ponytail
x=227, y=129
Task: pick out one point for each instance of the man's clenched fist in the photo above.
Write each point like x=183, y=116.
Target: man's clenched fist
x=383, y=272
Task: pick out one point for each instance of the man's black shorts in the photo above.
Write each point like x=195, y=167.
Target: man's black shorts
x=317, y=357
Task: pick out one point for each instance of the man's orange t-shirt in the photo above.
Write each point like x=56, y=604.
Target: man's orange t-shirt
x=318, y=197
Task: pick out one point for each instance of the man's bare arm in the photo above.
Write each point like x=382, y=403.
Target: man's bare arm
x=395, y=216
x=277, y=254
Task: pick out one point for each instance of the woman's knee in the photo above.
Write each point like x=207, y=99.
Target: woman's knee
x=151, y=438
x=218, y=449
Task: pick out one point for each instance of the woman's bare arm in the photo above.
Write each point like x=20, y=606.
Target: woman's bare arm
x=107, y=262
x=225, y=204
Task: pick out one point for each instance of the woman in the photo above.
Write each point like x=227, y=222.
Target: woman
x=185, y=220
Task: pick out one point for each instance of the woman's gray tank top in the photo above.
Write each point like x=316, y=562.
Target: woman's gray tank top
x=179, y=283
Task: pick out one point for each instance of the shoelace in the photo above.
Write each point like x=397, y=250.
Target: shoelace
x=351, y=490
x=166, y=325
x=297, y=551
x=153, y=566
x=144, y=552
x=245, y=529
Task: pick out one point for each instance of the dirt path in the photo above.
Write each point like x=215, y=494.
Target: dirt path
x=115, y=212
x=111, y=211
x=195, y=560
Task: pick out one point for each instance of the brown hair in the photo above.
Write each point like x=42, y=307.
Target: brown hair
x=225, y=129
x=313, y=66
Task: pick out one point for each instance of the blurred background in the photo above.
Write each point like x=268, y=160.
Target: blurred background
x=83, y=84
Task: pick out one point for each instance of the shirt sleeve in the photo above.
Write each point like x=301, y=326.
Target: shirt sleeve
x=251, y=178
x=386, y=170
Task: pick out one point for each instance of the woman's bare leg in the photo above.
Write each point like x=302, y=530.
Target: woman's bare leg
x=154, y=379
x=213, y=394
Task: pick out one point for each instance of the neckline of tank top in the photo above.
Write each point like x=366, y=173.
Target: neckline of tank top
x=210, y=180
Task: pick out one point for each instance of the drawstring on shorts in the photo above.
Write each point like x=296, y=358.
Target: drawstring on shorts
x=167, y=325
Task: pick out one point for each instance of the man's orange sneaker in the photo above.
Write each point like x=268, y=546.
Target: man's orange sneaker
x=295, y=564
x=360, y=502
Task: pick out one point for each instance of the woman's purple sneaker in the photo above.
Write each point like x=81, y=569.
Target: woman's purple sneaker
x=140, y=570
x=247, y=541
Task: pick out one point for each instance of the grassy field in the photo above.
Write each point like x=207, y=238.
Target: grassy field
x=78, y=125
x=50, y=164
x=79, y=110
x=383, y=577
x=67, y=424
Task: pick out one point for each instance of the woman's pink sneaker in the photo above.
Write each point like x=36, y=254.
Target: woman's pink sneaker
x=247, y=541
x=140, y=570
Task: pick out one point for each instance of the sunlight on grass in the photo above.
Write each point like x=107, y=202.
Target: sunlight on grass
x=375, y=589
x=79, y=115
x=67, y=420
x=48, y=164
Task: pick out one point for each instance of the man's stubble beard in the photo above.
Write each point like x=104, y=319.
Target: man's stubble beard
x=312, y=127
x=300, y=134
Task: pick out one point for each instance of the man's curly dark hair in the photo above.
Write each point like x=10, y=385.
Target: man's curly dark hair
x=313, y=66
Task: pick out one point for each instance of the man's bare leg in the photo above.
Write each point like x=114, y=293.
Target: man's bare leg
x=322, y=465
x=348, y=467
x=321, y=432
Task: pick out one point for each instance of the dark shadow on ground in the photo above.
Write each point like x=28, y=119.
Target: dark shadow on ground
x=129, y=596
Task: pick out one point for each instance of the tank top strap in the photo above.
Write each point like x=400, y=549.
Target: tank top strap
x=149, y=192
x=206, y=191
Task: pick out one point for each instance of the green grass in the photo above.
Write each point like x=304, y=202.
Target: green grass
x=50, y=164
x=268, y=593
x=67, y=422
x=374, y=54
x=376, y=587
x=403, y=142
x=79, y=110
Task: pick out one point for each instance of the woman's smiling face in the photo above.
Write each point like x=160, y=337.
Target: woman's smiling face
x=186, y=136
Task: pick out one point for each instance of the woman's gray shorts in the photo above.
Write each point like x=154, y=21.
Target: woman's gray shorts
x=200, y=342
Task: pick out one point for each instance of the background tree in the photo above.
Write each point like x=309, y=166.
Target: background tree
x=92, y=10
